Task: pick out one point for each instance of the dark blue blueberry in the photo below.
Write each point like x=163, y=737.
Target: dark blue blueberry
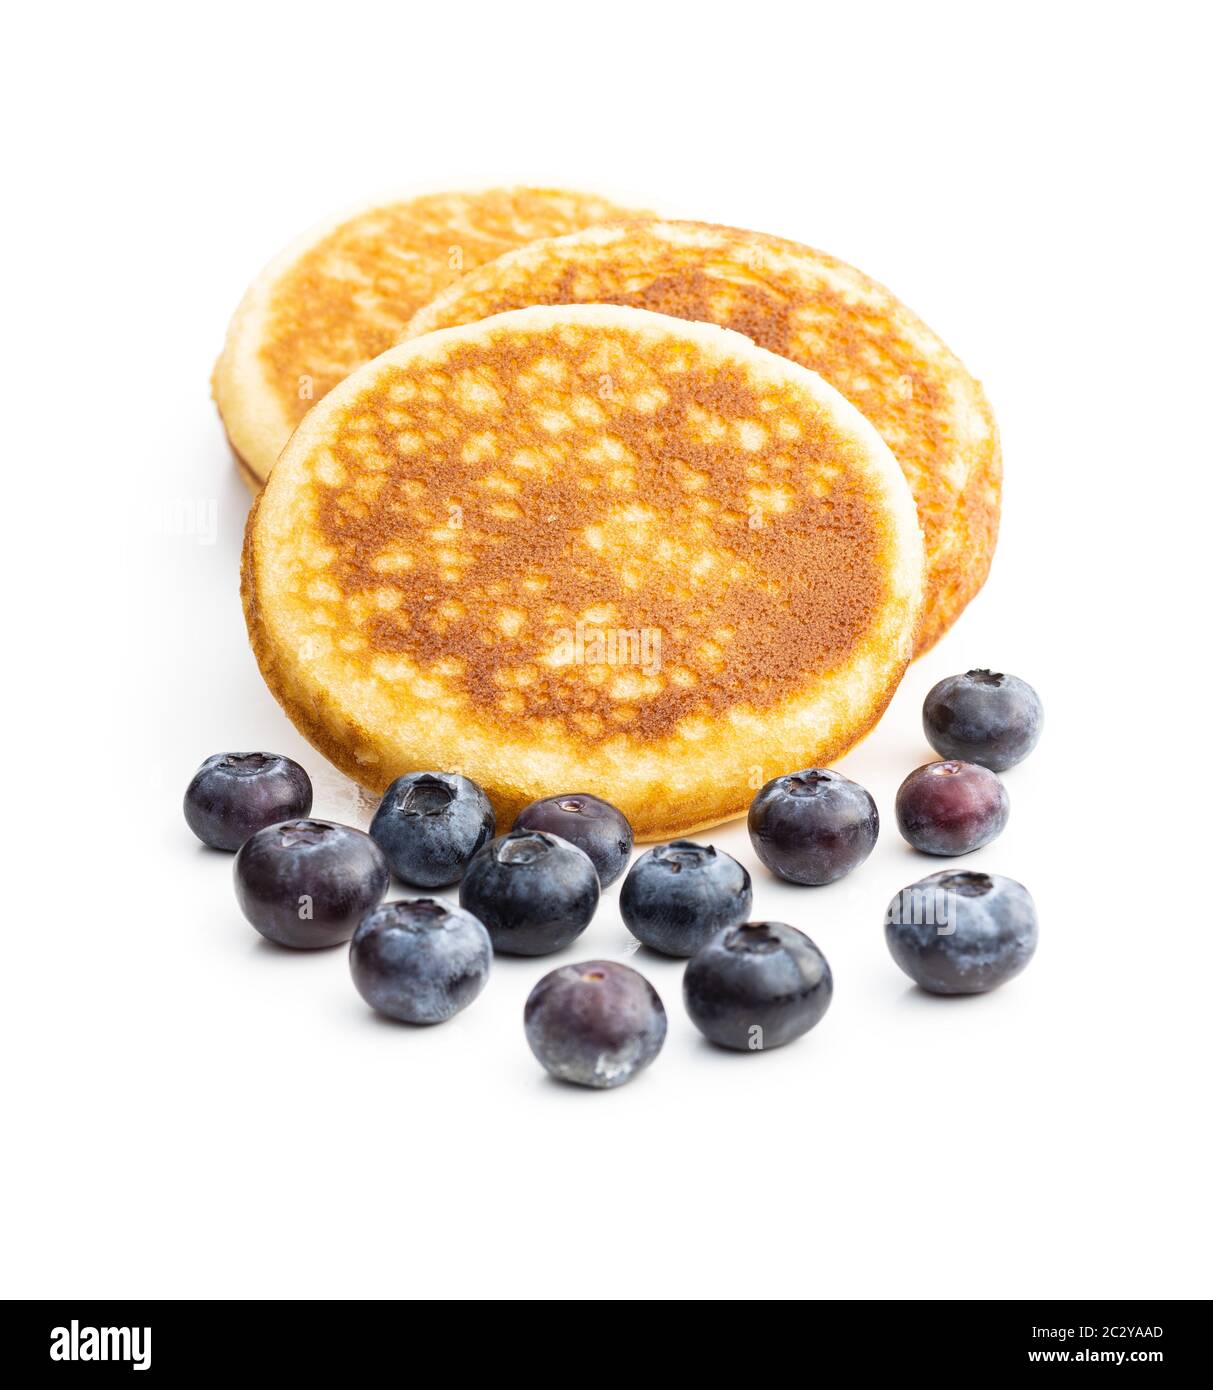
x=429, y=824
x=420, y=961
x=757, y=986
x=533, y=891
x=952, y=808
x=597, y=827
x=678, y=896
x=308, y=883
x=983, y=717
x=962, y=933
x=596, y=1024
x=234, y=794
x=813, y=827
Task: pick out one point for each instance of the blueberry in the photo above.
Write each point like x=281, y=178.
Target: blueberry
x=420, y=961
x=308, y=883
x=596, y=1024
x=678, y=896
x=962, y=933
x=983, y=717
x=234, y=794
x=951, y=808
x=533, y=891
x=597, y=827
x=429, y=824
x=757, y=986
x=813, y=827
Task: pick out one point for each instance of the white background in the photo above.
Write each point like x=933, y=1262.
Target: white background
x=189, y=1112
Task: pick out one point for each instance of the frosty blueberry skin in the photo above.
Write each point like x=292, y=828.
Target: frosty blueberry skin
x=420, y=961
x=233, y=795
x=984, y=717
x=757, y=986
x=593, y=825
x=430, y=824
x=533, y=891
x=308, y=883
x=951, y=808
x=676, y=897
x=595, y=1024
x=962, y=933
x=813, y=827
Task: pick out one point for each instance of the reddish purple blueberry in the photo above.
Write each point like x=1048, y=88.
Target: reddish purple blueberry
x=233, y=795
x=593, y=825
x=595, y=1024
x=308, y=883
x=951, y=807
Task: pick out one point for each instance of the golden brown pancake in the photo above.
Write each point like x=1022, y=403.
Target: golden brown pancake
x=343, y=294
x=585, y=548
x=819, y=312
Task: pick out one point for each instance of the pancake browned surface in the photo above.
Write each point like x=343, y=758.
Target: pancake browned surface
x=816, y=310
x=585, y=548
x=343, y=294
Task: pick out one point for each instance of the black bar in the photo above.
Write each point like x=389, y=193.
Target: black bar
x=192, y=1338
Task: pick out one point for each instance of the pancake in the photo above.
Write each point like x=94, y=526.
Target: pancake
x=819, y=312
x=585, y=548
x=342, y=294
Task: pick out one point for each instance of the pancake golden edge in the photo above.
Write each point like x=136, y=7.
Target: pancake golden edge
x=819, y=312
x=343, y=293
x=441, y=522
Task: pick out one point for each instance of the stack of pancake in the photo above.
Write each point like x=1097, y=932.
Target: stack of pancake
x=569, y=498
